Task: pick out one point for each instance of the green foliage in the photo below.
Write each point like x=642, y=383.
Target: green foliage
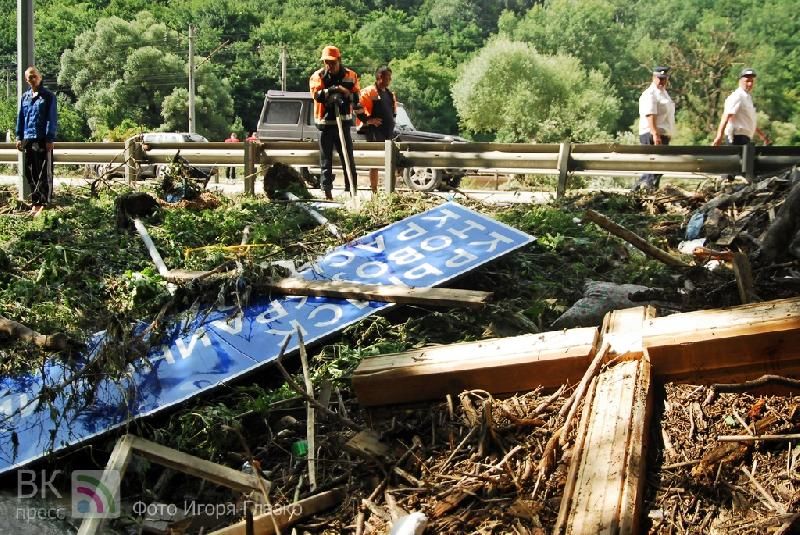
x=596, y=32
x=422, y=84
x=8, y=116
x=71, y=123
x=127, y=70
x=58, y=23
x=511, y=89
x=123, y=131
x=119, y=62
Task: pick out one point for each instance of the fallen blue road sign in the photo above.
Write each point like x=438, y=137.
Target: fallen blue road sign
x=57, y=407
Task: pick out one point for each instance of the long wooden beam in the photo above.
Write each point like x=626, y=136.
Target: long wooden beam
x=742, y=342
x=379, y=292
x=496, y=365
x=194, y=466
x=703, y=347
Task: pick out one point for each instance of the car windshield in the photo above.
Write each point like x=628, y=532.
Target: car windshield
x=402, y=120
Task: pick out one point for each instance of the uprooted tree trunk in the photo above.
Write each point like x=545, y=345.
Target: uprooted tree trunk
x=782, y=231
x=18, y=331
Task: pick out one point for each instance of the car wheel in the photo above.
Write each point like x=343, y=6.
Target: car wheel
x=422, y=179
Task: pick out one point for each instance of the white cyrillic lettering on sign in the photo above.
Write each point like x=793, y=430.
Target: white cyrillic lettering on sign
x=336, y=315
x=435, y=243
x=377, y=245
x=406, y=255
x=370, y=270
x=274, y=307
x=421, y=271
x=446, y=214
x=493, y=244
x=462, y=234
x=23, y=406
x=461, y=258
x=348, y=257
x=186, y=349
x=413, y=231
x=232, y=326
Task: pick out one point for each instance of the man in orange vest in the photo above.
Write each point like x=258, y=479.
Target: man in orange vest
x=333, y=87
x=380, y=107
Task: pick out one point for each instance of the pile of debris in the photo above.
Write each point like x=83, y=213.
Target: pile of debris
x=524, y=439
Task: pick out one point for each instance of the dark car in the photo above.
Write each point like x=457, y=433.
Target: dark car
x=289, y=116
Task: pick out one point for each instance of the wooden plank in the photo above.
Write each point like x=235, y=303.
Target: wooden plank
x=602, y=497
x=606, y=497
x=633, y=486
x=746, y=341
x=378, y=292
x=195, y=466
x=572, y=473
x=622, y=329
x=117, y=464
x=285, y=516
x=497, y=365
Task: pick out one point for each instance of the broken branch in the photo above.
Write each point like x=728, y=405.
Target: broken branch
x=632, y=238
x=297, y=388
x=18, y=331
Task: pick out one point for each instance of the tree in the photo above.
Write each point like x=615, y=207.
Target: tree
x=213, y=97
x=596, y=32
x=510, y=89
x=124, y=70
x=422, y=84
x=57, y=24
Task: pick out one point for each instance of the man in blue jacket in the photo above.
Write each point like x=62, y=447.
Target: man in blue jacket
x=37, y=122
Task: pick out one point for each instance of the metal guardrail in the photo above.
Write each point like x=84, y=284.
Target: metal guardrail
x=557, y=159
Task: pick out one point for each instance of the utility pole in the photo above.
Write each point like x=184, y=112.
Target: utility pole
x=191, y=80
x=283, y=67
x=24, y=60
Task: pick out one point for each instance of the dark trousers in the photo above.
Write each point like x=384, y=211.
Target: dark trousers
x=38, y=170
x=328, y=139
x=230, y=173
x=649, y=181
x=738, y=139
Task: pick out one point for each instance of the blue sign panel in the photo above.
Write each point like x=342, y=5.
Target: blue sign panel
x=59, y=406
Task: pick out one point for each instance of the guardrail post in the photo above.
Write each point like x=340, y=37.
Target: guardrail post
x=563, y=169
x=390, y=165
x=250, y=151
x=129, y=160
x=23, y=187
x=748, y=161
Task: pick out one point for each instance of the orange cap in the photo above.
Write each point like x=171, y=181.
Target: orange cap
x=330, y=52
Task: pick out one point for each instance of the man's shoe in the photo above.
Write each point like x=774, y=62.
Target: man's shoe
x=328, y=195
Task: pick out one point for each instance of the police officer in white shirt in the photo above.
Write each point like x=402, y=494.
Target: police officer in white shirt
x=738, y=123
x=656, y=120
